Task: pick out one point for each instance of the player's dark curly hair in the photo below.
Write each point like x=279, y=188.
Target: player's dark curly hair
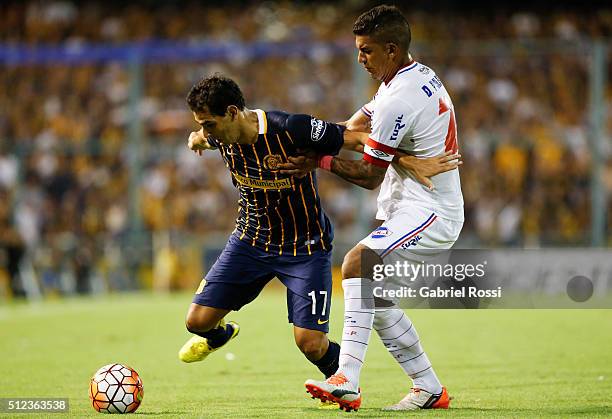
x=385, y=24
x=215, y=93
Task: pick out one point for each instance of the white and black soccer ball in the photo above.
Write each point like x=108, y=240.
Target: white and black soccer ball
x=115, y=388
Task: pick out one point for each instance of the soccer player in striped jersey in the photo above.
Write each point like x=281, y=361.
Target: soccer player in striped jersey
x=281, y=229
x=411, y=112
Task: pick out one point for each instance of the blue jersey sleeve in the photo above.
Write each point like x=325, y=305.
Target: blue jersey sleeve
x=315, y=134
x=212, y=142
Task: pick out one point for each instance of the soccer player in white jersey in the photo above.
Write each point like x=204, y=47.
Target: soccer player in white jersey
x=411, y=112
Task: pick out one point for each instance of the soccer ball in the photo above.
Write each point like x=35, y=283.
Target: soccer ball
x=115, y=388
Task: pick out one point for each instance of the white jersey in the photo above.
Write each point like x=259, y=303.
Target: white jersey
x=414, y=113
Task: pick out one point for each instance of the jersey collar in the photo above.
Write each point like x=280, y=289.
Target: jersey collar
x=412, y=64
x=262, y=121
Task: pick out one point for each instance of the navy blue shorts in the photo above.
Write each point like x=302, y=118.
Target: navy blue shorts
x=241, y=272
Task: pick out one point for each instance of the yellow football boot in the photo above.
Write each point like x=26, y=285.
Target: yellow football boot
x=197, y=349
x=327, y=405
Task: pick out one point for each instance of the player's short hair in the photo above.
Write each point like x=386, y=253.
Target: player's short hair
x=385, y=24
x=215, y=93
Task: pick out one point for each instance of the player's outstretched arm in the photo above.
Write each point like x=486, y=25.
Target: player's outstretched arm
x=422, y=169
x=358, y=172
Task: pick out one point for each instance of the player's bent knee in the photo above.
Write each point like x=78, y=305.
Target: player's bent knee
x=201, y=319
x=313, y=344
x=194, y=324
x=351, y=265
x=358, y=262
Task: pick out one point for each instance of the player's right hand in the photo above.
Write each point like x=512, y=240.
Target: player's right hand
x=299, y=166
x=197, y=142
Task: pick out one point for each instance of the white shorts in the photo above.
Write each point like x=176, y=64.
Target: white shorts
x=413, y=236
x=413, y=229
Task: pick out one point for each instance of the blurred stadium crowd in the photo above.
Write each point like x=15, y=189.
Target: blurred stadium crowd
x=64, y=166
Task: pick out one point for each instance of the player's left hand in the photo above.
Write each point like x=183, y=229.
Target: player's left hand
x=299, y=166
x=423, y=169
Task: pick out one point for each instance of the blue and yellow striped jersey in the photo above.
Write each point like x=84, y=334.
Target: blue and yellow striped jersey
x=278, y=213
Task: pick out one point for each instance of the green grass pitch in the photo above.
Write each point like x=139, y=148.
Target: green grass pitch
x=495, y=363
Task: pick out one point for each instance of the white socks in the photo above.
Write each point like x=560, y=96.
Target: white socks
x=358, y=318
x=402, y=341
x=395, y=330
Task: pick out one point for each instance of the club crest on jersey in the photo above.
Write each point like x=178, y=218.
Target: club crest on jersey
x=411, y=242
x=381, y=232
x=317, y=129
x=271, y=161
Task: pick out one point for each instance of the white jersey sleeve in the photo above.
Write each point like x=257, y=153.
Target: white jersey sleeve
x=388, y=129
x=368, y=108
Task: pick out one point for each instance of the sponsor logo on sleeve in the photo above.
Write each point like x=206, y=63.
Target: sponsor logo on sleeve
x=317, y=129
x=381, y=232
x=397, y=128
